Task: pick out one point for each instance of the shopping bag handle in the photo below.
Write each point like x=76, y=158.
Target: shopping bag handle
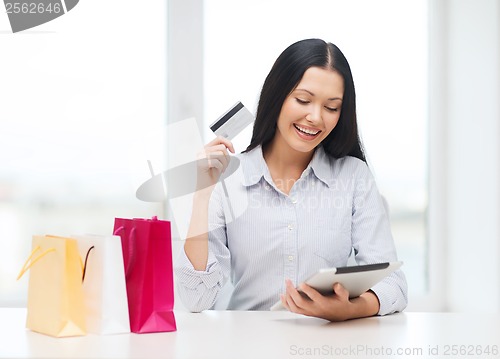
x=131, y=249
x=30, y=261
x=84, y=265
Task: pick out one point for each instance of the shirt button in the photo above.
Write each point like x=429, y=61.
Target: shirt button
x=290, y=227
x=290, y=258
x=294, y=200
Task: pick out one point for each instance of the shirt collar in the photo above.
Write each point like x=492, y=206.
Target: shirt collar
x=254, y=167
x=321, y=166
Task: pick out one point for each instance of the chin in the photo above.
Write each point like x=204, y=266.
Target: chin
x=304, y=147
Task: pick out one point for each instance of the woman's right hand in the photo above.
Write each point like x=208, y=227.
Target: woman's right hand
x=212, y=162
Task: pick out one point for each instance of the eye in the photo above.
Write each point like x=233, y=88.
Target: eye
x=301, y=101
x=331, y=109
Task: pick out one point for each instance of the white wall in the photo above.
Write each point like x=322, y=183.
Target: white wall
x=465, y=115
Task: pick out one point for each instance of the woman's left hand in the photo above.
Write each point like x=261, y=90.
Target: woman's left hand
x=336, y=307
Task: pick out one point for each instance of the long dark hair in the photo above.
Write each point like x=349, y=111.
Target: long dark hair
x=285, y=75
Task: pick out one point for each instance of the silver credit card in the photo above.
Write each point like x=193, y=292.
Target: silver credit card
x=231, y=123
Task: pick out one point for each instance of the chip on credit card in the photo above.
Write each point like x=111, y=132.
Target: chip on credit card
x=233, y=121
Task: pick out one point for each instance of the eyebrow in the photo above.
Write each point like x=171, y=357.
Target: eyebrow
x=312, y=94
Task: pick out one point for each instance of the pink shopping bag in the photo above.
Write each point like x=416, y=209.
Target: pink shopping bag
x=147, y=257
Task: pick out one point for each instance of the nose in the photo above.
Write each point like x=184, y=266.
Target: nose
x=314, y=115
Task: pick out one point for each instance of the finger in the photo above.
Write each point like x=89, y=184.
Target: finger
x=219, y=156
x=298, y=300
x=283, y=301
x=228, y=143
x=221, y=140
x=291, y=305
x=215, y=163
x=312, y=293
x=287, y=299
x=219, y=147
x=341, y=291
x=219, y=150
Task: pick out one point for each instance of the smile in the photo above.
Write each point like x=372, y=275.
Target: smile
x=306, y=131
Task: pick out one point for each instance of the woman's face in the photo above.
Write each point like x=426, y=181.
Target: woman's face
x=312, y=110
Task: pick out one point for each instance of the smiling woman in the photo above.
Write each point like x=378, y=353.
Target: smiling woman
x=391, y=100
x=300, y=139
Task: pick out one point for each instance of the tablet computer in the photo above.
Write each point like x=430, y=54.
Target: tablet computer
x=356, y=279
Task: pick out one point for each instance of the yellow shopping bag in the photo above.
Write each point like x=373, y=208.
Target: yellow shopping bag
x=55, y=293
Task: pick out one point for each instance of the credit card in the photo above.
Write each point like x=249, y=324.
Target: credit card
x=231, y=123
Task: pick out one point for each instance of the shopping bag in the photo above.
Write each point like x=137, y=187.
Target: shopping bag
x=147, y=257
x=104, y=291
x=55, y=294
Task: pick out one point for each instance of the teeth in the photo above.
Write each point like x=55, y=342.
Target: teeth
x=309, y=132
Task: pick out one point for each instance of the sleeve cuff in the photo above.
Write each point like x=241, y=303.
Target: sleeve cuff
x=392, y=297
x=191, y=278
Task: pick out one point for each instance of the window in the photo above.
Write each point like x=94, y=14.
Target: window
x=82, y=110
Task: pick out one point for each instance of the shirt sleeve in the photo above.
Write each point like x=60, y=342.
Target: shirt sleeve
x=198, y=290
x=373, y=242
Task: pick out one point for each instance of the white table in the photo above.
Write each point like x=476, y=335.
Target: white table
x=239, y=334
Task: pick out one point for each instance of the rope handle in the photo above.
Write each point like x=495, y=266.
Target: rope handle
x=118, y=230
x=30, y=262
x=84, y=266
x=131, y=249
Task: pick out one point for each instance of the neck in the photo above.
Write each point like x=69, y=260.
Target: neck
x=285, y=164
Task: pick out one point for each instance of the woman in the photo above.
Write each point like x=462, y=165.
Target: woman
x=309, y=197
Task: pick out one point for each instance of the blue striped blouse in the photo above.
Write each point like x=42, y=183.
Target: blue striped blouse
x=333, y=208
